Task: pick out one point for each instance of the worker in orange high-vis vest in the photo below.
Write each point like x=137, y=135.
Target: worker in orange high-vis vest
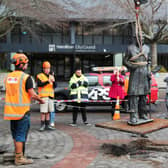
x=46, y=84
x=19, y=91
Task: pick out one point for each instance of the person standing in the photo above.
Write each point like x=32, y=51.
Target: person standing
x=116, y=89
x=46, y=84
x=19, y=91
x=78, y=85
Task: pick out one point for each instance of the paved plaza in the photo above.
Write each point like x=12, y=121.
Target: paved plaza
x=80, y=147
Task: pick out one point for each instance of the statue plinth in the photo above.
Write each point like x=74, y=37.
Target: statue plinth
x=140, y=121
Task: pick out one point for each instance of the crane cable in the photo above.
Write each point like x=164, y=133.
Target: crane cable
x=138, y=29
x=138, y=33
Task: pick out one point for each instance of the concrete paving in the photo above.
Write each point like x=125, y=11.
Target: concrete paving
x=79, y=147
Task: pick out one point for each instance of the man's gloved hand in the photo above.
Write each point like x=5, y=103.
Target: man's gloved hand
x=85, y=84
x=73, y=86
x=79, y=83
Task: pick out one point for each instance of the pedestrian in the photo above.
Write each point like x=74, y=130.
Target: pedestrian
x=78, y=85
x=46, y=84
x=166, y=96
x=53, y=113
x=19, y=91
x=116, y=89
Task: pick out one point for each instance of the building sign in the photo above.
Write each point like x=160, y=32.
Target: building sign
x=78, y=48
x=64, y=47
x=51, y=47
x=85, y=48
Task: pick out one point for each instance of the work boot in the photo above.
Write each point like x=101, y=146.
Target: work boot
x=73, y=124
x=86, y=123
x=21, y=160
x=48, y=126
x=42, y=128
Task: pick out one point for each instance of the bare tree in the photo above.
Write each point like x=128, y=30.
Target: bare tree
x=6, y=20
x=43, y=12
x=154, y=21
x=153, y=15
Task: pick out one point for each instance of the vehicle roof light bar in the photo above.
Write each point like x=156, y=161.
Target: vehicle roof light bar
x=108, y=68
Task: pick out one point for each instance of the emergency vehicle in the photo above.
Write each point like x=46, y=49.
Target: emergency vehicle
x=99, y=86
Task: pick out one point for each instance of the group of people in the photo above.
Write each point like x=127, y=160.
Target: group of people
x=20, y=91
x=78, y=86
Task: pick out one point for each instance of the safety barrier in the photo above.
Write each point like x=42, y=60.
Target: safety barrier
x=94, y=101
x=56, y=102
x=91, y=101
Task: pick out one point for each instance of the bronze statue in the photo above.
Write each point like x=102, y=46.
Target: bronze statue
x=136, y=60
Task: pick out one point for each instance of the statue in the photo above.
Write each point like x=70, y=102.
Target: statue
x=136, y=60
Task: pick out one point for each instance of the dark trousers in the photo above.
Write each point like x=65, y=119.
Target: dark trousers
x=79, y=107
x=113, y=103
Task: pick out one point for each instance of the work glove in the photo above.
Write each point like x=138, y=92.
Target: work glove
x=79, y=83
x=85, y=84
x=73, y=86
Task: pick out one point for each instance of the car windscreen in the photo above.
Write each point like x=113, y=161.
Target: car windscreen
x=106, y=80
x=92, y=80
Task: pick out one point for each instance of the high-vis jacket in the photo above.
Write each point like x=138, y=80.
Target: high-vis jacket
x=78, y=93
x=17, y=100
x=47, y=90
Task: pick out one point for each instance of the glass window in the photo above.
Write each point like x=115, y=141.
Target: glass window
x=57, y=38
x=93, y=80
x=88, y=39
x=79, y=29
x=98, y=39
x=106, y=80
x=3, y=39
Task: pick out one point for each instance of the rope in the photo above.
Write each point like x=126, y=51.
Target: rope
x=138, y=32
x=138, y=29
x=89, y=101
x=66, y=101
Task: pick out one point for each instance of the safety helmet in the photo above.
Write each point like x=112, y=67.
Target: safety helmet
x=46, y=64
x=20, y=58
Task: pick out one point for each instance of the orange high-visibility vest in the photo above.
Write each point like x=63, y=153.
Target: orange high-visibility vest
x=47, y=90
x=17, y=100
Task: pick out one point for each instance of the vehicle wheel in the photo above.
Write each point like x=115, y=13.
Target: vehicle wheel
x=60, y=106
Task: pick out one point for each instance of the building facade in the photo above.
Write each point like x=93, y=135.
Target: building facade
x=72, y=43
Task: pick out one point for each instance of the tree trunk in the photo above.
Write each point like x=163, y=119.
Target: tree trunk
x=154, y=54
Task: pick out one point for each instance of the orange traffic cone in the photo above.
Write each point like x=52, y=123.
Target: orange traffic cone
x=117, y=110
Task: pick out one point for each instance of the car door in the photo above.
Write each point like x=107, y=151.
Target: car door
x=97, y=89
